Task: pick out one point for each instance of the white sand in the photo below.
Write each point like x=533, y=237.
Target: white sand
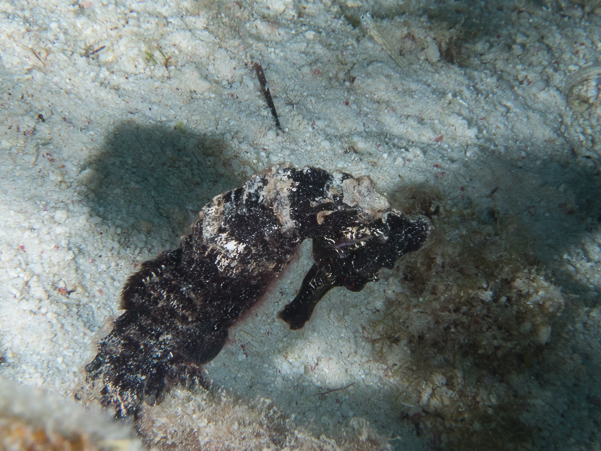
x=136, y=137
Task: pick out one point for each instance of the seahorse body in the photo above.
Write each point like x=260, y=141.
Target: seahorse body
x=179, y=307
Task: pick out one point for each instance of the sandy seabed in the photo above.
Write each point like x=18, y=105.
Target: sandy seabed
x=120, y=120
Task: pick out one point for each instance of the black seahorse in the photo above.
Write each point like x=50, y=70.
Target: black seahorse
x=178, y=308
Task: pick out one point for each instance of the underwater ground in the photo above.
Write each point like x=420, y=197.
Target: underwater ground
x=120, y=119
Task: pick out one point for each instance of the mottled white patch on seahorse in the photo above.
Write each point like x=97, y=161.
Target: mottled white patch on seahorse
x=229, y=251
x=254, y=185
x=235, y=246
x=360, y=192
x=212, y=219
x=222, y=263
x=276, y=194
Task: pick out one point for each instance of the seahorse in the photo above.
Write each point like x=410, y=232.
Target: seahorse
x=179, y=307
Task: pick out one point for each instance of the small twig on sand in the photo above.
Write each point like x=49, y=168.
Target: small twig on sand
x=267, y=93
